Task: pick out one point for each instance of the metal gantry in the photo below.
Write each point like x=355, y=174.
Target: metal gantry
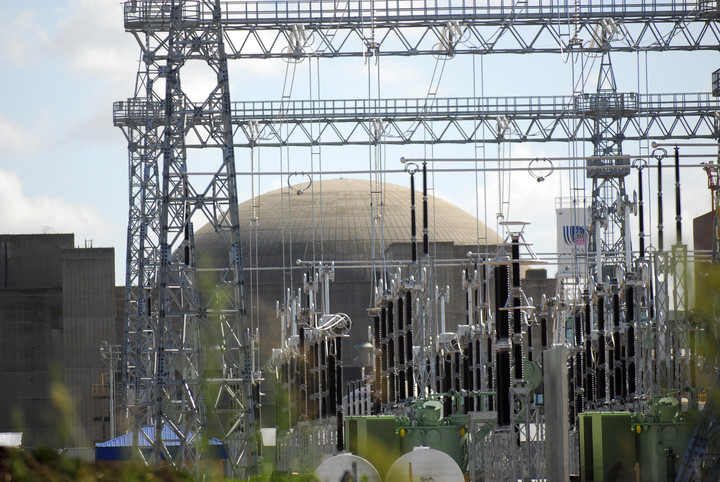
x=189, y=378
x=325, y=28
x=455, y=120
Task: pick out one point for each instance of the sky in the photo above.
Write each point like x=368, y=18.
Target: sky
x=64, y=167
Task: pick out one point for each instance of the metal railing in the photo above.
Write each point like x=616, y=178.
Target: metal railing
x=156, y=12
x=139, y=110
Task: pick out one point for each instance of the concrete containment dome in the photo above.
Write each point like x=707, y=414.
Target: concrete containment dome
x=332, y=220
x=338, y=214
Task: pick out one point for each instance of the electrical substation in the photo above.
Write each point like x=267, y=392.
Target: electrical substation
x=364, y=327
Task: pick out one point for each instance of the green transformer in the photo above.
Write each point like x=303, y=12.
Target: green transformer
x=607, y=446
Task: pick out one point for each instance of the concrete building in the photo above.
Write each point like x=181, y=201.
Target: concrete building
x=57, y=304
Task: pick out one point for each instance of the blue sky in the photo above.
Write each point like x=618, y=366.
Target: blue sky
x=63, y=166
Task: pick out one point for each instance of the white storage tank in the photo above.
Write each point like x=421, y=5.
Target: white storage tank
x=346, y=466
x=423, y=464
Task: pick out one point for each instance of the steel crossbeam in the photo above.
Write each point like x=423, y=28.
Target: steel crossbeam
x=450, y=120
x=297, y=29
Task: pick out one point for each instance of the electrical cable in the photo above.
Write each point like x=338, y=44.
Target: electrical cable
x=286, y=231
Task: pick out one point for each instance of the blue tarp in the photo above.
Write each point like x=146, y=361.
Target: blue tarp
x=120, y=447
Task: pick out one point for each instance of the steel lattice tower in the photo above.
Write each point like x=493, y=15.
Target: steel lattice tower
x=608, y=167
x=188, y=373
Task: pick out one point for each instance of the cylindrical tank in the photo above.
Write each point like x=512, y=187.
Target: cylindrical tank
x=423, y=464
x=346, y=467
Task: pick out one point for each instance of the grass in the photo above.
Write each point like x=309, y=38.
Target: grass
x=18, y=465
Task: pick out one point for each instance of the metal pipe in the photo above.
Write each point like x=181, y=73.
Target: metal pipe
x=467, y=377
x=409, y=344
x=619, y=359
x=384, y=354
x=502, y=348
x=332, y=405
x=469, y=300
x=339, y=395
x=426, y=242
x=630, y=318
x=516, y=312
x=530, y=343
x=598, y=250
x=401, y=351
x=641, y=214
x=602, y=358
x=678, y=214
x=413, y=227
x=459, y=169
x=392, y=363
x=589, y=384
x=553, y=158
x=377, y=369
x=660, y=206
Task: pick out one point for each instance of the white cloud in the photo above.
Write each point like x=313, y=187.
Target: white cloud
x=92, y=35
x=20, y=213
x=14, y=139
x=18, y=37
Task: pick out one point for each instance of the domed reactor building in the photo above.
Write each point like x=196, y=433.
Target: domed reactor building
x=357, y=234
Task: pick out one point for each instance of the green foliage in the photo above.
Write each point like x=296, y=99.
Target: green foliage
x=44, y=464
x=282, y=477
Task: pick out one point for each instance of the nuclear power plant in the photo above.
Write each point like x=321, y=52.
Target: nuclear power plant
x=347, y=320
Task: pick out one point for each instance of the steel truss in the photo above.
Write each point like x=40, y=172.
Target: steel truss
x=529, y=426
x=452, y=120
x=662, y=356
x=195, y=376
x=263, y=29
x=681, y=324
x=304, y=447
x=481, y=452
x=500, y=455
x=143, y=235
x=145, y=147
x=609, y=201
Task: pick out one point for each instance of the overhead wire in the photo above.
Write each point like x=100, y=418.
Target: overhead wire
x=374, y=134
x=286, y=231
x=317, y=54
x=479, y=148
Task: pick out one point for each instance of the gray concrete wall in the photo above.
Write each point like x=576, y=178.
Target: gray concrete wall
x=557, y=444
x=30, y=360
x=536, y=283
x=56, y=305
x=32, y=260
x=89, y=303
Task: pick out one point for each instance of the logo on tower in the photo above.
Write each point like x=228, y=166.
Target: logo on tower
x=576, y=236
x=573, y=240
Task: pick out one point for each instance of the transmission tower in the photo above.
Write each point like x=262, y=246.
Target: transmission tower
x=609, y=166
x=188, y=375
